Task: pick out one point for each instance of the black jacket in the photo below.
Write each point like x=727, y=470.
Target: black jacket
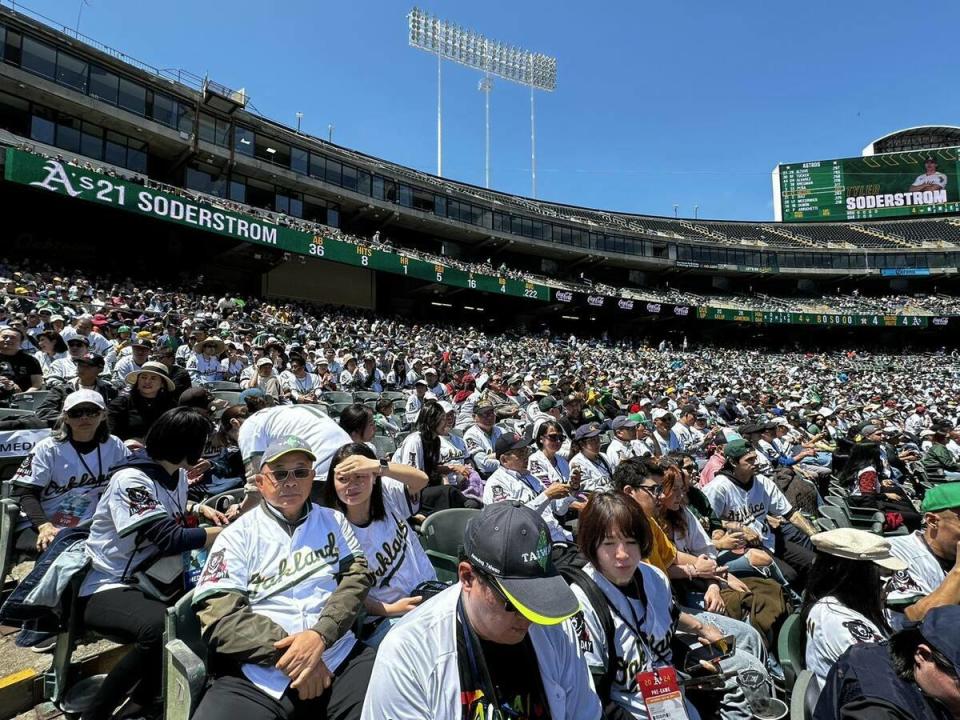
x=130, y=415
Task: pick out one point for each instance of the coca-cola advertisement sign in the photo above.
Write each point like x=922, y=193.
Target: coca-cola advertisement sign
x=625, y=304
x=681, y=310
x=653, y=308
x=595, y=300
x=564, y=296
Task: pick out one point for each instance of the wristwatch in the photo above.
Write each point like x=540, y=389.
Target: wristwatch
x=383, y=467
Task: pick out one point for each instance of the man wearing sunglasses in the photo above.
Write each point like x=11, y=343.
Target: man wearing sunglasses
x=492, y=645
x=513, y=481
x=278, y=595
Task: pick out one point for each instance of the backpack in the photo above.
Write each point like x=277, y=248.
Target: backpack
x=570, y=564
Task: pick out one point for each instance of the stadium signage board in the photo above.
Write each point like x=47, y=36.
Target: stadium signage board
x=795, y=318
x=889, y=185
x=86, y=184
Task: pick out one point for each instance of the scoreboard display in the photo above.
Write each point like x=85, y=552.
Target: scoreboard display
x=891, y=185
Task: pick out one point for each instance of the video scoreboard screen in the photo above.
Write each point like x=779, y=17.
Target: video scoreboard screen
x=890, y=185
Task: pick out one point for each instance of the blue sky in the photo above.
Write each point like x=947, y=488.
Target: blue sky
x=690, y=102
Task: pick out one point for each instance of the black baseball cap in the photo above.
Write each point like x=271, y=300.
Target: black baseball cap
x=511, y=543
x=510, y=441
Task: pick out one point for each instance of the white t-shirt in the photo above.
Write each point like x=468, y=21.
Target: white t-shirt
x=695, y=540
x=285, y=577
x=642, y=632
x=750, y=507
x=132, y=499
x=831, y=628
x=393, y=551
x=71, y=484
x=310, y=424
x=923, y=575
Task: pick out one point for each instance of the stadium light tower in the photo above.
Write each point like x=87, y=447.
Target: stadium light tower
x=465, y=47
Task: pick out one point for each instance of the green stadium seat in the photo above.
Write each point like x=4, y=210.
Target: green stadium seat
x=836, y=515
x=231, y=396
x=184, y=661
x=9, y=512
x=385, y=446
x=361, y=396
x=790, y=649
x=803, y=699
x=393, y=395
x=29, y=401
x=337, y=397
x=442, y=537
x=223, y=385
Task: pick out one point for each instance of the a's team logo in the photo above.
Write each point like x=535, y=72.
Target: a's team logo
x=499, y=494
x=902, y=582
x=56, y=175
x=861, y=632
x=472, y=444
x=583, y=634
x=26, y=468
x=140, y=501
x=215, y=569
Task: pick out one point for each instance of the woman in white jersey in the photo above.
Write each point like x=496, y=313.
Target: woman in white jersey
x=844, y=601
x=59, y=483
x=585, y=456
x=143, y=520
x=377, y=498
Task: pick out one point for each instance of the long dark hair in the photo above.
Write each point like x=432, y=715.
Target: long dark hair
x=59, y=346
x=862, y=454
x=545, y=427
x=431, y=414
x=330, y=497
x=856, y=584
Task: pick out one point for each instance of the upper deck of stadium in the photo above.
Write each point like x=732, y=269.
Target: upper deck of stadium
x=68, y=91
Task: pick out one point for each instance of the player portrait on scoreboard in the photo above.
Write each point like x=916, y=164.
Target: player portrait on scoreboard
x=931, y=179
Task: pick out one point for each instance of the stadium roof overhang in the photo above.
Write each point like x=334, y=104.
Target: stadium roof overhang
x=921, y=137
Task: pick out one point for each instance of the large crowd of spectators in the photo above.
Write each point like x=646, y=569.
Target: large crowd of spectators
x=638, y=508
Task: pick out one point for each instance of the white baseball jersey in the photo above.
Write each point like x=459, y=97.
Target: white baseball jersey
x=63, y=369
x=831, y=628
x=695, y=540
x=545, y=471
x=71, y=484
x=595, y=475
x=299, y=386
x=132, y=499
x=507, y=484
x=204, y=369
x=310, y=424
x=393, y=551
x=617, y=452
x=413, y=408
x=641, y=632
x=286, y=577
x=453, y=451
x=923, y=575
x=124, y=367
x=937, y=178
x=750, y=507
x=480, y=447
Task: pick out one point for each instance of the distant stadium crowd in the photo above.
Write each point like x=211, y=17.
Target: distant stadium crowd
x=382, y=518
x=890, y=304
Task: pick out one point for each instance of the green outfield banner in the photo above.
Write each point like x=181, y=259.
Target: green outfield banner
x=85, y=184
x=904, y=184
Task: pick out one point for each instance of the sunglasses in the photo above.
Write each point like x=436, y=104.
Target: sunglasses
x=507, y=606
x=555, y=437
x=76, y=344
x=77, y=413
x=281, y=476
x=653, y=490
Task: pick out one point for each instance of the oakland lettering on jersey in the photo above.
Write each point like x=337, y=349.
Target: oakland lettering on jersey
x=85, y=480
x=302, y=564
x=746, y=514
x=392, y=553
